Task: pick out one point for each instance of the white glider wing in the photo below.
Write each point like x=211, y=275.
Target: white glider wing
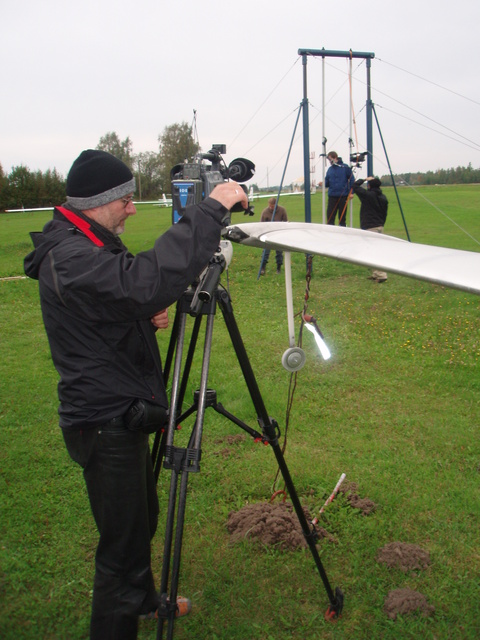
x=450, y=267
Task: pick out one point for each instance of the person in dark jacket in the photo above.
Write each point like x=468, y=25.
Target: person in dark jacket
x=101, y=307
x=373, y=212
x=339, y=181
x=277, y=213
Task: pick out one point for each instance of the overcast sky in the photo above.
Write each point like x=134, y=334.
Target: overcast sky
x=72, y=71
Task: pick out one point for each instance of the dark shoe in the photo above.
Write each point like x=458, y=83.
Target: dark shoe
x=262, y=272
x=279, y=270
x=184, y=606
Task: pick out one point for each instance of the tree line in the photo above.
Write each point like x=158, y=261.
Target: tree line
x=457, y=175
x=23, y=188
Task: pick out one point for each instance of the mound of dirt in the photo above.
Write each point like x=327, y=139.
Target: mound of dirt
x=405, y=601
x=270, y=524
x=350, y=490
x=406, y=557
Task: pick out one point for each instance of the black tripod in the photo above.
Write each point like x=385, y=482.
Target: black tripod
x=199, y=303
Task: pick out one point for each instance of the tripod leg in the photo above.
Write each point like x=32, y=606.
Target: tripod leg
x=172, y=462
x=181, y=462
x=178, y=551
x=159, y=443
x=167, y=609
x=270, y=429
x=163, y=610
x=158, y=451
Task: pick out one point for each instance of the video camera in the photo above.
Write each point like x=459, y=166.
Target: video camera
x=193, y=181
x=357, y=158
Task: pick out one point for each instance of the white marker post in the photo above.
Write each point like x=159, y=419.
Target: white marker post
x=293, y=358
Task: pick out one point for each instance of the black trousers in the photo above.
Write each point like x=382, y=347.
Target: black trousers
x=337, y=205
x=121, y=487
x=266, y=256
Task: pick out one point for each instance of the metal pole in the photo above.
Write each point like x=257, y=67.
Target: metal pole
x=306, y=146
x=324, y=143
x=369, y=122
x=324, y=53
x=350, y=202
x=391, y=174
x=335, y=54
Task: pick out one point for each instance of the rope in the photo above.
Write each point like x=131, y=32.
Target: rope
x=435, y=84
x=419, y=193
x=342, y=213
x=351, y=101
x=262, y=104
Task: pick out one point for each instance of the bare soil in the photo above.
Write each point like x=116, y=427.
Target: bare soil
x=404, y=556
x=270, y=524
x=276, y=524
x=232, y=441
x=406, y=601
x=350, y=491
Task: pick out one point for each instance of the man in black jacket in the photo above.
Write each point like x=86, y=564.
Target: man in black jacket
x=373, y=212
x=101, y=307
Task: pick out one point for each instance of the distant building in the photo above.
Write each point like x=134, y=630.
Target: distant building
x=297, y=185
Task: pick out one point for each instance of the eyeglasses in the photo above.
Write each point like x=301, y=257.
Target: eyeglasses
x=127, y=201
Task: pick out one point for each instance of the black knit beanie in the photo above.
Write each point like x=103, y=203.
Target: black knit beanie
x=97, y=178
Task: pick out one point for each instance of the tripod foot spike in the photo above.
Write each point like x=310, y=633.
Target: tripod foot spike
x=334, y=611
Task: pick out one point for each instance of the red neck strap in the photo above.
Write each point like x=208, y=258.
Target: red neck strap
x=81, y=224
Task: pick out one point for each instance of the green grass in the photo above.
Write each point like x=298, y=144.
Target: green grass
x=397, y=409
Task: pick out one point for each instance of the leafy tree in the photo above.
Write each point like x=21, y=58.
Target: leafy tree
x=149, y=175
x=54, y=187
x=22, y=189
x=121, y=149
x=454, y=175
x=29, y=189
x=3, y=185
x=176, y=144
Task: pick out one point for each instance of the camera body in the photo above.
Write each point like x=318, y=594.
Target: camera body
x=357, y=159
x=194, y=181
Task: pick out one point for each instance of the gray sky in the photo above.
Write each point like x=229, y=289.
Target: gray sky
x=72, y=71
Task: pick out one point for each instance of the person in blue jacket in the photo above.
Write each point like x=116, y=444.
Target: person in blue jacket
x=339, y=181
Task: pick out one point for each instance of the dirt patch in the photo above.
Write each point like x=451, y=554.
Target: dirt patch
x=276, y=524
x=270, y=524
x=406, y=557
x=232, y=441
x=350, y=491
x=405, y=601
x=236, y=439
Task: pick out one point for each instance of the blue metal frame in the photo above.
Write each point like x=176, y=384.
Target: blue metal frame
x=324, y=53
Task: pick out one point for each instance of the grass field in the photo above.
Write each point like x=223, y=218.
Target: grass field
x=397, y=408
